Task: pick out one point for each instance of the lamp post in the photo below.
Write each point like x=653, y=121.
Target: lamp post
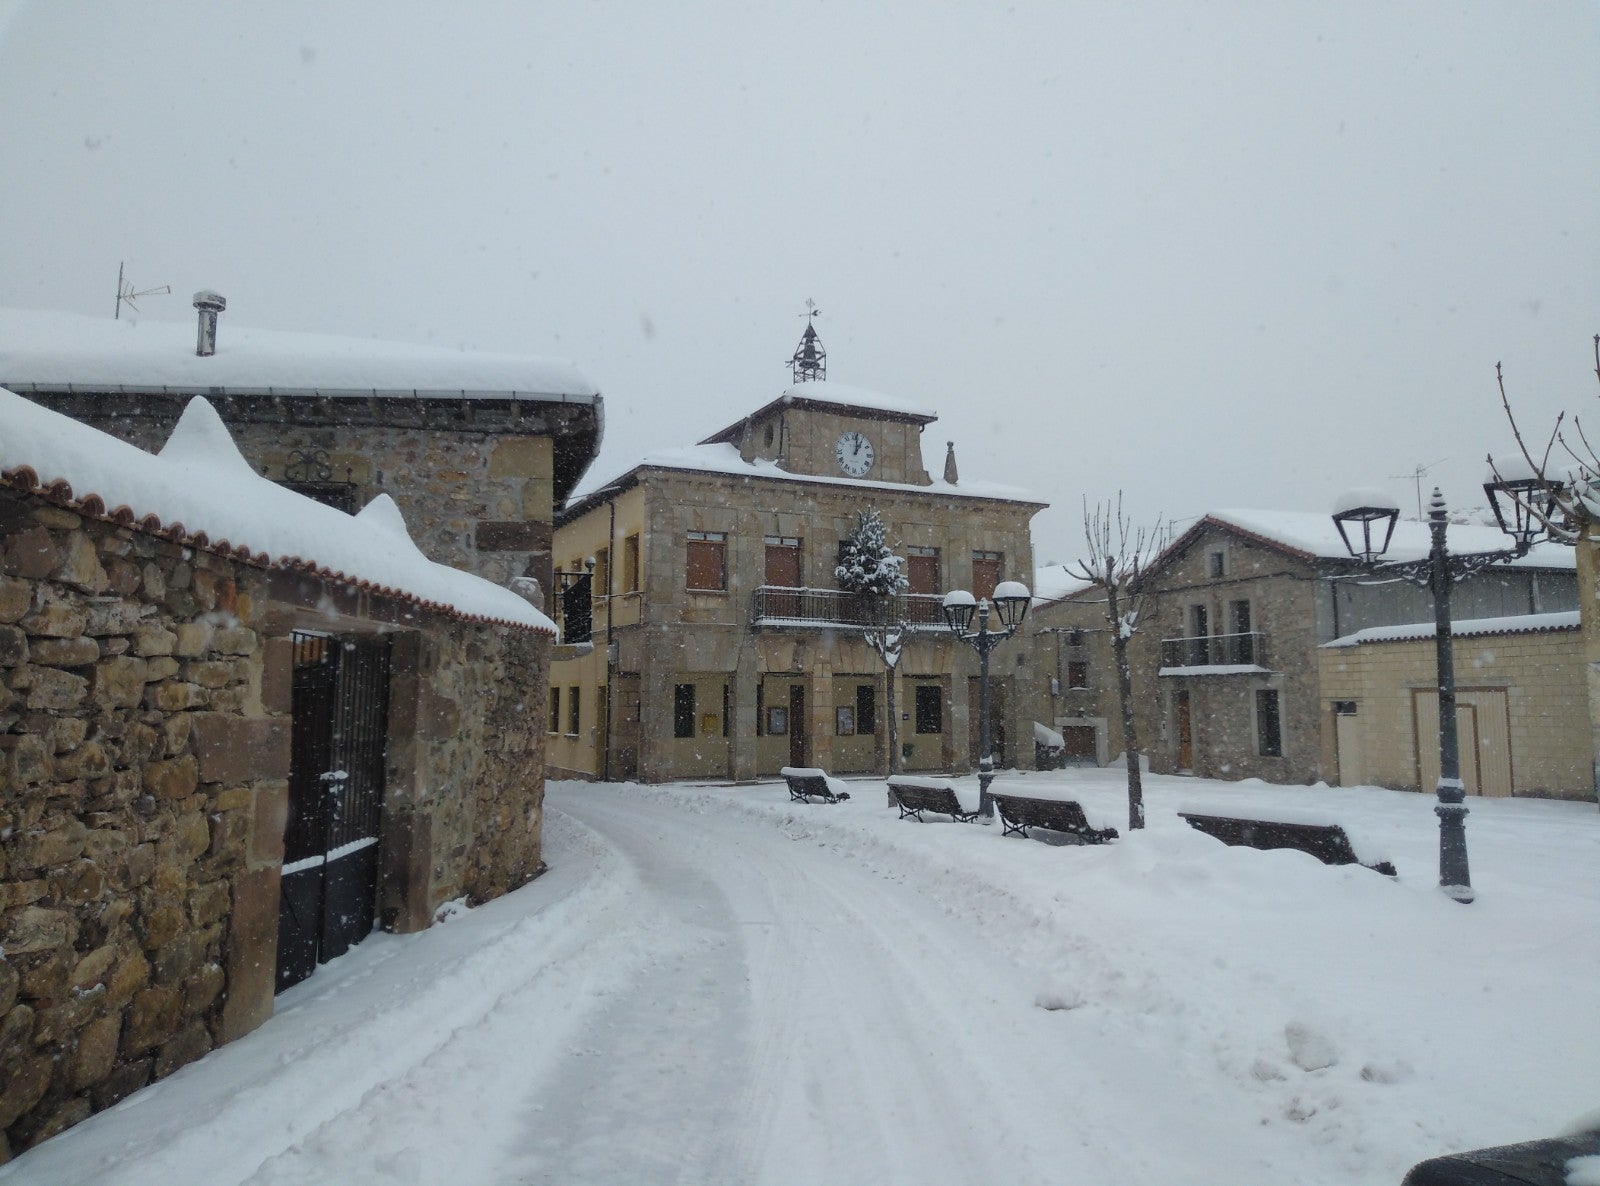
x=1366, y=520
x=1010, y=605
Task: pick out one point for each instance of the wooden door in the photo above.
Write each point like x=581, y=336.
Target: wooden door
x=1483, y=738
x=783, y=573
x=1180, y=707
x=797, y=725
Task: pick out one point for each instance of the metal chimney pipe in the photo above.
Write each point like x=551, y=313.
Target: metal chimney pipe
x=209, y=304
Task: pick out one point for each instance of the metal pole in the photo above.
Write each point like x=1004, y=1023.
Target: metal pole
x=985, y=643
x=1455, y=878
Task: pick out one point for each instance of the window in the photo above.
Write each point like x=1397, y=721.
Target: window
x=555, y=710
x=727, y=709
x=844, y=721
x=1269, y=728
x=1077, y=674
x=922, y=570
x=1216, y=564
x=602, y=574
x=930, y=708
x=1239, y=616
x=683, y=710
x=1344, y=708
x=1199, y=625
x=707, y=561
x=630, y=564
x=1074, y=637
x=574, y=704
x=866, y=709
x=986, y=570
x=1242, y=646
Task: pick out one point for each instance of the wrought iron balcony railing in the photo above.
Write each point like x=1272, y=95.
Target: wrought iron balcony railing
x=1215, y=650
x=777, y=606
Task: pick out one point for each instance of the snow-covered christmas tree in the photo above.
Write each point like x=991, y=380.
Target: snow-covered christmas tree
x=866, y=562
x=869, y=568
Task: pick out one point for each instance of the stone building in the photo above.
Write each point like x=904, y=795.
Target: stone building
x=723, y=645
x=1228, y=671
x=1070, y=639
x=476, y=449
x=237, y=729
x=1521, y=707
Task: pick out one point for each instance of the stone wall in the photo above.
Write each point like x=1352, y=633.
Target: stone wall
x=141, y=781
x=145, y=723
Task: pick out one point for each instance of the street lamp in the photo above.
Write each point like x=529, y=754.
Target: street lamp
x=1010, y=606
x=1366, y=520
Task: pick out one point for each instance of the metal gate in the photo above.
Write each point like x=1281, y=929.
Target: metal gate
x=340, y=708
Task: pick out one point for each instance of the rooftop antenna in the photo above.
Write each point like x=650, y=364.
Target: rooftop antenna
x=1416, y=475
x=127, y=296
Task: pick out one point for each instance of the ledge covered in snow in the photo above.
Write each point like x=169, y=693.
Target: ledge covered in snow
x=51, y=351
x=200, y=491
x=1472, y=627
x=722, y=458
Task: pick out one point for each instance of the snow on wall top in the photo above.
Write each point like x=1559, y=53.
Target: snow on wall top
x=200, y=490
x=827, y=392
x=1315, y=535
x=1471, y=627
x=724, y=458
x=51, y=350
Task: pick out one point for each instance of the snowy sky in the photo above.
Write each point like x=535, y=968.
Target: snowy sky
x=1215, y=255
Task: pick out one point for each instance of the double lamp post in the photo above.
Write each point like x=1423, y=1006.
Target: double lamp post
x=1366, y=520
x=1010, y=606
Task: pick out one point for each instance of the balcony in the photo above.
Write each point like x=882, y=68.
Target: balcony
x=777, y=607
x=1215, y=650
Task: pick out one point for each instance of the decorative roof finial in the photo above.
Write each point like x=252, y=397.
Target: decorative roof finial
x=950, y=475
x=810, y=361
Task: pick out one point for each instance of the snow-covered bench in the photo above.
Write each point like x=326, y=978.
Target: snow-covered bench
x=1328, y=842
x=807, y=782
x=1018, y=813
x=915, y=795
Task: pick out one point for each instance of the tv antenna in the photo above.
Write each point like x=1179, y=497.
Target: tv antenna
x=1418, y=472
x=127, y=296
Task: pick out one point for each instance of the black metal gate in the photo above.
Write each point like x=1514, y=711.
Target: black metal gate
x=330, y=845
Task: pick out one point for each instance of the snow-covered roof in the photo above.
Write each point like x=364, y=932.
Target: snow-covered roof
x=723, y=458
x=1471, y=627
x=1054, y=583
x=52, y=351
x=201, y=491
x=840, y=394
x=1315, y=536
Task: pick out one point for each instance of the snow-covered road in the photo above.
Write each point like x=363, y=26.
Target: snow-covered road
x=714, y=986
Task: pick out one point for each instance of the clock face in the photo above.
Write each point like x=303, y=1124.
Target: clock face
x=855, y=454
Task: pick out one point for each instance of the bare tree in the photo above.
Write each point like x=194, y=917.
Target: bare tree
x=1118, y=552
x=1565, y=470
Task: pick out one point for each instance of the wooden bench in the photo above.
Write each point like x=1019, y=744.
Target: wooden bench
x=806, y=783
x=1018, y=813
x=1327, y=842
x=916, y=795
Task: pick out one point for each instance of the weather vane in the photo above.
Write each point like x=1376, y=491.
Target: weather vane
x=810, y=360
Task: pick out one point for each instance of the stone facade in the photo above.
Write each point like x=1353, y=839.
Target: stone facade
x=1521, y=714
x=765, y=670
x=145, y=752
x=1070, y=643
x=1227, y=671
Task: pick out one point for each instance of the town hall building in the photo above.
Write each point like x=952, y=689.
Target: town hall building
x=724, y=647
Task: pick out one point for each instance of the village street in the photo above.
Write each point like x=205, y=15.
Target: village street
x=714, y=986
